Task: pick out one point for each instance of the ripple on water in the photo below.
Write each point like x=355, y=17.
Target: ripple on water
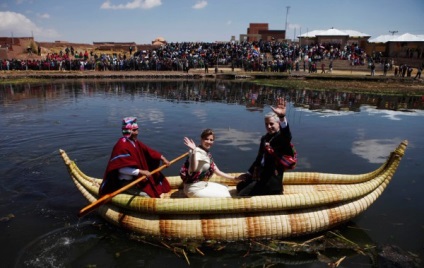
x=58, y=248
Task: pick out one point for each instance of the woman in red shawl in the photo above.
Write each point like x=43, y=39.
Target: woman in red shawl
x=131, y=159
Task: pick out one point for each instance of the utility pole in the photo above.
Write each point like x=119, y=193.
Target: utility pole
x=300, y=36
x=287, y=14
x=393, y=32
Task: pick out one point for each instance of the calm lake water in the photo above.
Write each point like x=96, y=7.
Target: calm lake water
x=333, y=132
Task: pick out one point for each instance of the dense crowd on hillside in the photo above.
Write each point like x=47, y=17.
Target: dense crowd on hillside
x=251, y=56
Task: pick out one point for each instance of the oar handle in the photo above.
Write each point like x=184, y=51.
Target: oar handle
x=107, y=197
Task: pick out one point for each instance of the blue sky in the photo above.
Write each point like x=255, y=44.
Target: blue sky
x=141, y=21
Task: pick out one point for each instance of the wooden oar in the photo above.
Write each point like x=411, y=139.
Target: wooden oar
x=107, y=197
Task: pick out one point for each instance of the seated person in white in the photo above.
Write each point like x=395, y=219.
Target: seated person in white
x=201, y=168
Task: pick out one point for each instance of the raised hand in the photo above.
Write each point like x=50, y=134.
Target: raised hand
x=280, y=108
x=189, y=143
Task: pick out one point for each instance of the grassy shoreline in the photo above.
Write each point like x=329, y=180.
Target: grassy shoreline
x=360, y=86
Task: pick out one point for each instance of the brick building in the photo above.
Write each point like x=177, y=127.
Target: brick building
x=257, y=31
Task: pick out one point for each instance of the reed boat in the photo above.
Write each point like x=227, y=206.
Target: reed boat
x=312, y=202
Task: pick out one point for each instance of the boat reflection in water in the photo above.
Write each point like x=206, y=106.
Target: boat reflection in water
x=74, y=246
x=87, y=243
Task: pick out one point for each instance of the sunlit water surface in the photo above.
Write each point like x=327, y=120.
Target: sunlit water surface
x=333, y=132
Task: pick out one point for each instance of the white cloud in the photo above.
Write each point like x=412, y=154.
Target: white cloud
x=19, y=25
x=293, y=30
x=43, y=16
x=375, y=150
x=22, y=2
x=233, y=137
x=293, y=26
x=144, y=4
x=200, y=5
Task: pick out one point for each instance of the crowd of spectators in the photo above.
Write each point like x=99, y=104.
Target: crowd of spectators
x=263, y=56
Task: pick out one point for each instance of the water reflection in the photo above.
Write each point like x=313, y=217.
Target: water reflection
x=374, y=150
x=254, y=97
x=76, y=246
x=83, y=117
x=344, y=101
x=91, y=245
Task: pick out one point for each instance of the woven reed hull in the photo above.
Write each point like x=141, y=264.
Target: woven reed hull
x=312, y=202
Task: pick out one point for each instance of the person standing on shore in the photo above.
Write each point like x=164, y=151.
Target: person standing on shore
x=403, y=69
x=409, y=71
x=206, y=67
x=418, y=75
x=372, y=69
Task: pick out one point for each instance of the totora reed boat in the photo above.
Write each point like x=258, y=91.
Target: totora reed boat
x=312, y=202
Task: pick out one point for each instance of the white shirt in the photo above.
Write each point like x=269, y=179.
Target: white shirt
x=127, y=173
